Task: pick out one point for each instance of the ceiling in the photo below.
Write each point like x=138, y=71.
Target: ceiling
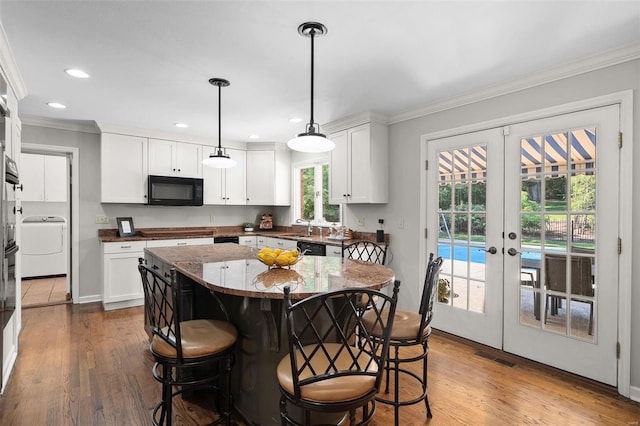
x=150, y=61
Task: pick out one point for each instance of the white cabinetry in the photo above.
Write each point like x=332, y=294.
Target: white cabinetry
x=281, y=243
x=225, y=186
x=44, y=178
x=180, y=242
x=249, y=241
x=170, y=158
x=121, y=284
x=360, y=165
x=123, y=169
x=269, y=177
x=333, y=251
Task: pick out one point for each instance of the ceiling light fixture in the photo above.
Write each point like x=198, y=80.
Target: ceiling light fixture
x=311, y=140
x=56, y=105
x=76, y=73
x=181, y=125
x=219, y=159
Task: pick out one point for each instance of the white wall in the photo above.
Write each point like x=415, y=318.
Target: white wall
x=405, y=169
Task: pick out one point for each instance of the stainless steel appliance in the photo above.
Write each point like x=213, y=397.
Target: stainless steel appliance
x=8, y=248
x=175, y=191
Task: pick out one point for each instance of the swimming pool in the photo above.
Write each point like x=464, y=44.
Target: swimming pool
x=473, y=254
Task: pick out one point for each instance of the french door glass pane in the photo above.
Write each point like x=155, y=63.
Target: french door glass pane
x=557, y=288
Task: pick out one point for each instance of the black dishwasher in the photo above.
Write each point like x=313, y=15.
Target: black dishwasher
x=312, y=249
x=225, y=240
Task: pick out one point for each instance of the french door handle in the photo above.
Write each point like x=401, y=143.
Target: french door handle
x=512, y=251
x=491, y=250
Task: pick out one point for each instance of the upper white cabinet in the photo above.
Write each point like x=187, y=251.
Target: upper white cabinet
x=44, y=178
x=123, y=168
x=225, y=186
x=269, y=177
x=170, y=158
x=360, y=164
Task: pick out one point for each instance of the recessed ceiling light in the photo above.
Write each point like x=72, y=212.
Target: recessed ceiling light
x=76, y=73
x=295, y=120
x=56, y=105
x=181, y=125
x=254, y=136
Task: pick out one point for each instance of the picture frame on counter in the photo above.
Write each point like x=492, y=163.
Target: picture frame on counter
x=125, y=227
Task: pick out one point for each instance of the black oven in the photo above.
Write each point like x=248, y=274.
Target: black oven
x=175, y=191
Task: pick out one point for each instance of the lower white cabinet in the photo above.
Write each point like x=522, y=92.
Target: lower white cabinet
x=249, y=241
x=121, y=284
x=281, y=243
x=180, y=242
x=334, y=251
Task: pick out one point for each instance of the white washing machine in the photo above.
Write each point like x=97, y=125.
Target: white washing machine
x=44, y=246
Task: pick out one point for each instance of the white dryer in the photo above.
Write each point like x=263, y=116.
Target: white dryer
x=44, y=246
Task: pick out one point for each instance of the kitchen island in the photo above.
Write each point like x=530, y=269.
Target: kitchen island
x=253, y=296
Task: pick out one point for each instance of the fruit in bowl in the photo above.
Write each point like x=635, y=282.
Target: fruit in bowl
x=278, y=258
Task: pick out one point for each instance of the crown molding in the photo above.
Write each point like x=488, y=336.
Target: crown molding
x=591, y=63
x=72, y=125
x=355, y=120
x=9, y=66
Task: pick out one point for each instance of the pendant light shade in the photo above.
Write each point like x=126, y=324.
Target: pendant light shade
x=311, y=140
x=219, y=159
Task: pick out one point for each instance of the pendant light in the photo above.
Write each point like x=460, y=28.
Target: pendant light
x=219, y=159
x=311, y=140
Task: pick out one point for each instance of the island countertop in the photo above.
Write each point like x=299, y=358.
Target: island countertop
x=233, y=269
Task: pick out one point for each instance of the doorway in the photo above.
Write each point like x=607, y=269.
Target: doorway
x=49, y=265
x=524, y=213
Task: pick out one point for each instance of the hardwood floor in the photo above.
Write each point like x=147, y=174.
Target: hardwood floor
x=79, y=365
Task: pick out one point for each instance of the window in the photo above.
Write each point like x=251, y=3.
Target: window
x=311, y=199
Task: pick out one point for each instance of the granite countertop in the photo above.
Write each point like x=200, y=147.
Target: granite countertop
x=288, y=233
x=233, y=269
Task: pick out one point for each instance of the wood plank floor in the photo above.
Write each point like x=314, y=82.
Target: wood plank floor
x=79, y=365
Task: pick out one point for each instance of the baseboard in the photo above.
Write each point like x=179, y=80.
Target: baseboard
x=634, y=393
x=89, y=299
x=123, y=304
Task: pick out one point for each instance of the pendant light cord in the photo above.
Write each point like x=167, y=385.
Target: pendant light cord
x=219, y=119
x=312, y=126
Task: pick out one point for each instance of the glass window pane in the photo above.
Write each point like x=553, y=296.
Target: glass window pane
x=555, y=193
x=582, y=320
x=307, y=193
x=556, y=231
x=478, y=195
x=583, y=148
x=444, y=197
x=461, y=197
x=330, y=212
x=529, y=306
x=531, y=228
x=531, y=193
x=531, y=155
x=555, y=152
x=445, y=166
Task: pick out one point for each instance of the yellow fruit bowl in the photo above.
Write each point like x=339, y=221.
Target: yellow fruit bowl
x=277, y=258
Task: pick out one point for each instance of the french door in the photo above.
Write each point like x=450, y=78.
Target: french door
x=527, y=220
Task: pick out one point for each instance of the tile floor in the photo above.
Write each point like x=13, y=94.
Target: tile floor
x=44, y=291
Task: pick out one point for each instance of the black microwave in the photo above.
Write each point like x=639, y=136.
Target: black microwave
x=175, y=191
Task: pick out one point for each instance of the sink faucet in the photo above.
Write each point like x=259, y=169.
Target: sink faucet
x=308, y=225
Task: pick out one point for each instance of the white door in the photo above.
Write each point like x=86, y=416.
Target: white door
x=466, y=187
x=562, y=184
x=536, y=195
